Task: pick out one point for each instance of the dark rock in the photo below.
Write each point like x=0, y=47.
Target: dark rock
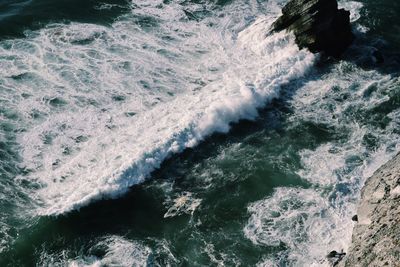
x=318, y=25
x=335, y=257
x=335, y=254
x=354, y=218
x=332, y=254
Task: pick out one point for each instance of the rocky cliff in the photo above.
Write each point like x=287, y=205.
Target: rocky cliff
x=376, y=235
x=318, y=25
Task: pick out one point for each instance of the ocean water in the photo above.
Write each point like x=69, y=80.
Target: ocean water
x=179, y=133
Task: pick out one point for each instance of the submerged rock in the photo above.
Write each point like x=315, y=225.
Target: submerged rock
x=318, y=25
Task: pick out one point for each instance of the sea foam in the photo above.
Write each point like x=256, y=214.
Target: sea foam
x=315, y=220
x=109, y=105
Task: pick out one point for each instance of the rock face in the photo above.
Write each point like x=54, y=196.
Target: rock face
x=376, y=236
x=318, y=25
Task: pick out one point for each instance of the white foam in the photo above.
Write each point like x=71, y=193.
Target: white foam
x=312, y=222
x=315, y=221
x=115, y=250
x=303, y=220
x=118, y=252
x=184, y=204
x=333, y=102
x=86, y=82
x=105, y=106
x=121, y=252
x=321, y=170
x=354, y=7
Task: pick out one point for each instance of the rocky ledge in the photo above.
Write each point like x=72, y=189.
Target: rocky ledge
x=318, y=25
x=376, y=235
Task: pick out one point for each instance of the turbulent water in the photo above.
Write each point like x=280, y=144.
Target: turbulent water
x=179, y=133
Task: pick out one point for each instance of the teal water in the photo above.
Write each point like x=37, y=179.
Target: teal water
x=174, y=133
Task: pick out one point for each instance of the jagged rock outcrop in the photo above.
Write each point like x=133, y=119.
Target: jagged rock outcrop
x=318, y=25
x=376, y=235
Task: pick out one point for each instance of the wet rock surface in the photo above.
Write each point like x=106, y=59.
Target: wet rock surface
x=318, y=25
x=376, y=235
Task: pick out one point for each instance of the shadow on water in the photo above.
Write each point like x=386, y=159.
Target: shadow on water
x=381, y=20
x=377, y=48
x=370, y=52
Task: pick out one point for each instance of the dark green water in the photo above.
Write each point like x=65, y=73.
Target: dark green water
x=278, y=190
x=21, y=15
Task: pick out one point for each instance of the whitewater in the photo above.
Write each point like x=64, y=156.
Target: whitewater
x=102, y=107
x=112, y=105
